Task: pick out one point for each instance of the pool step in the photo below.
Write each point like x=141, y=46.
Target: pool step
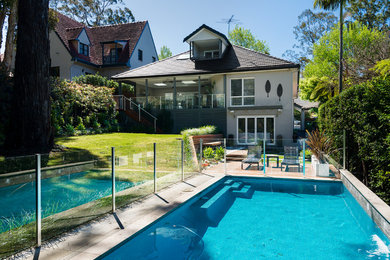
x=245, y=192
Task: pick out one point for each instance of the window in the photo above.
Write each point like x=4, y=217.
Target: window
x=250, y=130
x=211, y=54
x=84, y=49
x=140, y=54
x=242, y=92
x=154, y=59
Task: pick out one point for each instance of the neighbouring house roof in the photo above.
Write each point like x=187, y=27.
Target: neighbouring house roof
x=69, y=29
x=304, y=104
x=236, y=59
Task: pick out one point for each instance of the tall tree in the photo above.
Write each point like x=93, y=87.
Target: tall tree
x=311, y=27
x=95, y=12
x=30, y=129
x=11, y=36
x=333, y=5
x=373, y=13
x=245, y=38
x=165, y=52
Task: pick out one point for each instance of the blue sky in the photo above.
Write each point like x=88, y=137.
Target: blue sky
x=172, y=20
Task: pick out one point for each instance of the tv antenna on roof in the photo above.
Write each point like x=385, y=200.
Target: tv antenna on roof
x=229, y=21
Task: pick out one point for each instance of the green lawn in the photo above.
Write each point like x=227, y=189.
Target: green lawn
x=96, y=143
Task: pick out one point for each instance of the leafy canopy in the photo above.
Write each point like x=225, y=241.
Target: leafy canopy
x=363, y=48
x=375, y=14
x=95, y=12
x=165, y=52
x=244, y=37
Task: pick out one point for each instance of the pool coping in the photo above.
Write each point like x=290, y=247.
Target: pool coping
x=374, y=206
x=74, y=246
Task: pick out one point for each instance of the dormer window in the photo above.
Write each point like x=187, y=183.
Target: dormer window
x=211, y=54
x=207, y=44
x=84, y=49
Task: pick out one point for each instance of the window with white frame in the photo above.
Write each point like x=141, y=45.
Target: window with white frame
x=242, y=92
x=251, y=130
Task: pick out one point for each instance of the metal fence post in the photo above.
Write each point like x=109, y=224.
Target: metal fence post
x=304, y=156
x=224, y=155
x=182, y=159
x=38, y=200
x=200, y=154
x=154, y=167
x=344, y=150
x=113, y=177
x=139, y=112
x=264, y=156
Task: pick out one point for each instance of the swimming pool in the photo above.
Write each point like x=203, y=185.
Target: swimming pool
x=252, y=218
x=17, y=203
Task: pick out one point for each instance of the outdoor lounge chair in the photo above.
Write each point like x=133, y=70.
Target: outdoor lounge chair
x=291, y=157
x=254, y=157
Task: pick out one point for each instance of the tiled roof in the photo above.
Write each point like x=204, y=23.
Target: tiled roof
x=69, y=29
x=236, y=59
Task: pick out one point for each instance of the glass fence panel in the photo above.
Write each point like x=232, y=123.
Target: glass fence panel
x=76, y=188
x=191, y=157
x=17, y=204
x=133, y=173
x=285, y=157
x=168, y=163
x=213, y=155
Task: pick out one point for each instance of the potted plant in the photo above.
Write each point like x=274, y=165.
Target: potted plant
x=319, y=144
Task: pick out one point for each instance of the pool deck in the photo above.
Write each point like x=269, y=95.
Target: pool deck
x=91, y=240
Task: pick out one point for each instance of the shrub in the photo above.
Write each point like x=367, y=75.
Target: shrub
x=219, y=153
x=73, y=102
x=208, y=153
x=363, y=112
x=69, y=130
x=96, y=80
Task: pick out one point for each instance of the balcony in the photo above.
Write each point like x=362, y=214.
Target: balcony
x=183, y=101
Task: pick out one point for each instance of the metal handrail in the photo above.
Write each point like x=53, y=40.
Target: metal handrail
x=122, y=105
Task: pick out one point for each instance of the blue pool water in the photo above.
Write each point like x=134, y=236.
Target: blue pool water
x=247, y=218
x=17, y=202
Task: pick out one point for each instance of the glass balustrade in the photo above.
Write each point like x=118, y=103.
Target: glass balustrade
x=183, y=101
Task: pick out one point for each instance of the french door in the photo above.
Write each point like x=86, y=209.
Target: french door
x=252, y=129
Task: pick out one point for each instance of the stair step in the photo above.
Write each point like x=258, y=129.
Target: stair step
x=245, y=192
x=215, y=198
x=236, y=185
x=229, y=182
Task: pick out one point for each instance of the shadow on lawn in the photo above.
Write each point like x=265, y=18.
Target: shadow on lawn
x=71, y=155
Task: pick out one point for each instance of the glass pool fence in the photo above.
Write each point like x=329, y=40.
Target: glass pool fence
x=45, y=195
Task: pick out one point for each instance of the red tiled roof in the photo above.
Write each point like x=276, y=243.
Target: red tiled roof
x=69, y=29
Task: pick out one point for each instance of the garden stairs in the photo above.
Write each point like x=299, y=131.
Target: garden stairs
x=136, y=112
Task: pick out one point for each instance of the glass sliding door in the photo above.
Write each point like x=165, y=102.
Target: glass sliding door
x=241, y=130
x=251, y=130
x=251, y=136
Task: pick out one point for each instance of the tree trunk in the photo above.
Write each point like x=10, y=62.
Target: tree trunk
x=30, y=128
x=365, y=174
x=2, y=18
x=10, y=39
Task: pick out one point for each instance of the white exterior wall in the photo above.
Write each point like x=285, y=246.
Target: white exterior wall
x=78, y=69
x=60, y=56
x=283, y=118
x=146, y=44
